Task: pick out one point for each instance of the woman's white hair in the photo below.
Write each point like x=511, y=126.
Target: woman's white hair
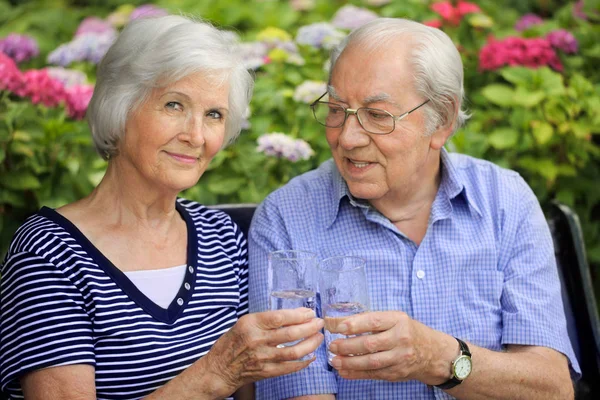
x=156, y=52
x=437, y=66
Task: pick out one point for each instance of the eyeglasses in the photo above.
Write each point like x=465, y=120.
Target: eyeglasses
x=373, y=120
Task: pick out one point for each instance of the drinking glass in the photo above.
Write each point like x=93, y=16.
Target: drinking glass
x=292, y=282
x=343, y=291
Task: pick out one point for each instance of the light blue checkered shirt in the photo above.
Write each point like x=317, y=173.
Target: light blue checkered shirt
x=485, y=271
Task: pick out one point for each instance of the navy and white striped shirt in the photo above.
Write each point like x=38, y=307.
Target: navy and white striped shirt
x=63, y=302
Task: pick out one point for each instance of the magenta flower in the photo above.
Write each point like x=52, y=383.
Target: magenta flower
x=77, y=99
x=147, y=10
x=563, y=40
x=19, y=47
x=11, y=78
x=532, y=53
x=527, y=21
x=94, y=25
x=41, y=88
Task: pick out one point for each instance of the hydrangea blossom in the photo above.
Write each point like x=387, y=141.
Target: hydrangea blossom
x=280, y=145
x=147, y=10
x=10, y=77
x=39, y=87
x=352, y=17
x=319, y=35
x=454, y=14
x=94, y=25
x=309, y=91
x=531, y=53
x=19, y=47
x=68, y=77
x=254, y=54
x=77, y=99
x=527, y=21
x=85, y=47
x=563, y=40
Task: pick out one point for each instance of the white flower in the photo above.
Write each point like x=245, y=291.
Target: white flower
x=309, y=91
x=280, y=145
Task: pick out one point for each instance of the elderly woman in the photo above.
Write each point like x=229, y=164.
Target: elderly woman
x=131, y=292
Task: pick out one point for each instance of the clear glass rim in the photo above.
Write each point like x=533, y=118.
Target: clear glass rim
x=279, y=255
x=321, y=267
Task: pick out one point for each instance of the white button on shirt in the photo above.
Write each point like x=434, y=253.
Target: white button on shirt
x=420, y=274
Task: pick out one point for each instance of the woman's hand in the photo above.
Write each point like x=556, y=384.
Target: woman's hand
x=248, y=352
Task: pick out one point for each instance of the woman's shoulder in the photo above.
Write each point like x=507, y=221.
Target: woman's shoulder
x=205, y=217
x=35, y=233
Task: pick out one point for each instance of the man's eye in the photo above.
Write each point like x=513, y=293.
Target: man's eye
x=377, y=114
x=173, y=105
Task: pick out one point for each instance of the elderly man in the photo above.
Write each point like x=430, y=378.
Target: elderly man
x=460, y=266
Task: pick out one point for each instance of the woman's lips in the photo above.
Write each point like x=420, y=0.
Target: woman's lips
x=183, y=158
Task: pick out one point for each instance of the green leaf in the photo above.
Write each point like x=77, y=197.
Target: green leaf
x=517, y=75
x=542, y=131
x=501, y=95
x=526, y=98
x=20, y=180
x=503, y=138
x=226, y=185
x=541, y=166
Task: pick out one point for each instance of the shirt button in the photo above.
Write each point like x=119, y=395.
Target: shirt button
x=191, y=269
x=180, y=301
x=187, y=286
x=420, y=274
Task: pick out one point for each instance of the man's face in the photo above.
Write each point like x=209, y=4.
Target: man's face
x=381, y=167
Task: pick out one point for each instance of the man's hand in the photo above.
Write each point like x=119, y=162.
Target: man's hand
x=398, y=348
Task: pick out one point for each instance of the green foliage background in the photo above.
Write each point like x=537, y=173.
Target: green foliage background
x=544, y=124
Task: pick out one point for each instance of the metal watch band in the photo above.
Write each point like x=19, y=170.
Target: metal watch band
x=453, y=381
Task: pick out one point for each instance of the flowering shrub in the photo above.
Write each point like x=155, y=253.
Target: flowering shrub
x=531, y=82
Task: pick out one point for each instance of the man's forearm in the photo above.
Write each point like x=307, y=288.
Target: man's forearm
x=522, y=372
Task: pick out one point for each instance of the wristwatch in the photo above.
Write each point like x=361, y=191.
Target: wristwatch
x=461, y=367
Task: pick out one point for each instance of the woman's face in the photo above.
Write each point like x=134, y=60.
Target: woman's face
x=171, y=138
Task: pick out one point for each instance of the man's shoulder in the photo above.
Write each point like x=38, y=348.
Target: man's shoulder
x=308, y=187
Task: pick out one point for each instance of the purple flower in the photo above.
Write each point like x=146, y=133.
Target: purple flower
x=19, y=47
x=564, y=40
x=280, y=145
x=85, y=47
x=527, y=21
x=319, y=35
x=254, y=54
x=147, y=10
x=94, y=25
x=352, y=17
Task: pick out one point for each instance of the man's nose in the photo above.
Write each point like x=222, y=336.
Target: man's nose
x=353, y=134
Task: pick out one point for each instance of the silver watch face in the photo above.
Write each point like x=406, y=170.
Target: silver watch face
x=462, y=367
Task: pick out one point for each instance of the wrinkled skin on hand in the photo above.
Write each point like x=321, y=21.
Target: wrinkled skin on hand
x=398, y=348
x=248, y=352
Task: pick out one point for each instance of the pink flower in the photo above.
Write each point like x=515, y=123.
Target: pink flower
x=77, y=100
x=41, y=88
x=532, y=53
x=434, y=23
x=11, y=78
x=94, y=25
x=454, y=15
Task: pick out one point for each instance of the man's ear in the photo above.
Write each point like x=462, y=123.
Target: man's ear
x=442, y=133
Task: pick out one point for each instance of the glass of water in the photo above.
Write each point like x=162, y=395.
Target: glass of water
x=343, y=291
x=292, y=282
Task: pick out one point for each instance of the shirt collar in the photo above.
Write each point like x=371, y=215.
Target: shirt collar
x=452, y=185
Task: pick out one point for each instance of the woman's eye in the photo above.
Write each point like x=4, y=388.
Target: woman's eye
x=215, y=115
x=173, y=105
